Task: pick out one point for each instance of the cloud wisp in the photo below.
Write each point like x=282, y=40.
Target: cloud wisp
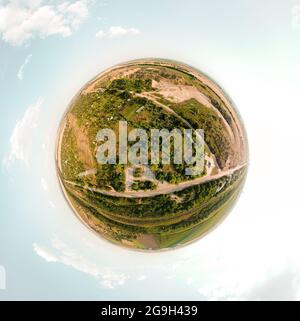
x=44, y=253
x=117, y=31
x=20, y=74
x=66, y=255
x=22, y=136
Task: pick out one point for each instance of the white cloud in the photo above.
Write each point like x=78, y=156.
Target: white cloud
x=45, y=254
x=117, y=31
x=296, y=17
x=51, y=204
x=20, y=74
x=100, y=34
x=44, y=184
x=23, y=20
x=22, y=136
x=70, y=257
x=189, y=281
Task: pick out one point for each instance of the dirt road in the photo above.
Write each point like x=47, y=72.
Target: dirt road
x=163, y=190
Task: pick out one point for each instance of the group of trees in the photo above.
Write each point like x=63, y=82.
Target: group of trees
x=111, y=175
x=215, y=132
x=143, y=185
x=131, y=84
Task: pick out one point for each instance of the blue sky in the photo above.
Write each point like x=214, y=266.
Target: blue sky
x=50, y=49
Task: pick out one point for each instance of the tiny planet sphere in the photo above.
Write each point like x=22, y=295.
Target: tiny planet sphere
x=151, y=154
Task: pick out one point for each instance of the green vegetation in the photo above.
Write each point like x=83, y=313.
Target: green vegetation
x=161, y=207
x=216, y=135
x=111, y=175
x=137, y=172
x=143, y=185
x=103, y=199
x=136, y=85
x=104, y=213
x=71, y=165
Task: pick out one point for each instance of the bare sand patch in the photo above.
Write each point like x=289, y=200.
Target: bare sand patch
x=148, y=241
x=180, y=93
x=83, y=144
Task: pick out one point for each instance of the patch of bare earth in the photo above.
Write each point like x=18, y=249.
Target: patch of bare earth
x=179, y=93
x=176, y=198
x=83, y=145
x=148, y=241
x=127, y=243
